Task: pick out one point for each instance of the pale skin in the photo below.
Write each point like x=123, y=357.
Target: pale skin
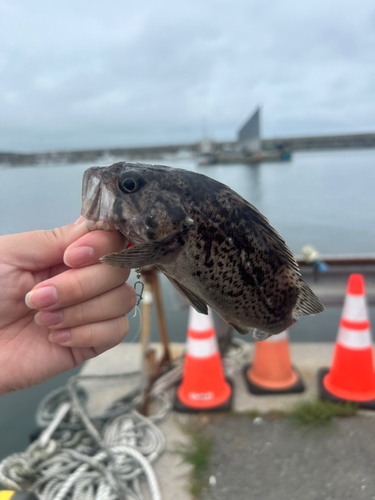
x=59, y=306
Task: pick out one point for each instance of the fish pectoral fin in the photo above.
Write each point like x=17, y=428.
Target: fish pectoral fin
x=190, y=296
x=145, y=254
x=139, y=256
x=260, y=334
x=240, y=329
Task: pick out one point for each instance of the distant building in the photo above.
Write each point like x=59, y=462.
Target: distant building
x=249, y=135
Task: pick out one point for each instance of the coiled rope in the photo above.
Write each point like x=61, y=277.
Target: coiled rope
x=78, y=458
x=106, y=458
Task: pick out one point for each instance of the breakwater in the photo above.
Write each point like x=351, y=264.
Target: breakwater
x=291, y=144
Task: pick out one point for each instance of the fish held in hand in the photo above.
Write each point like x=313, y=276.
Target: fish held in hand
x=217, y=249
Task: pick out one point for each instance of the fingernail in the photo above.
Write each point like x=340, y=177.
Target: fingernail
x=79, y=256
x=42, y=297
x=79, y=220
x=47, y=318
x=59, y=336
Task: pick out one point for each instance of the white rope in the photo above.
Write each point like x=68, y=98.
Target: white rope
x=236, y=356
x=77, y=458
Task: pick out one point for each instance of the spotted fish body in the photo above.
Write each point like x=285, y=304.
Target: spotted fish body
x=215, y=247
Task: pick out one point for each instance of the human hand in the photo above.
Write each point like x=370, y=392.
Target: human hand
x=75, y=306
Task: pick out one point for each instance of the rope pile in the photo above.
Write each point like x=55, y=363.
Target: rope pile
x=236, y=357
x=77, y=458
x=107, y=458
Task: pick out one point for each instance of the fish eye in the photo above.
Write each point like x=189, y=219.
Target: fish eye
x=130, y=181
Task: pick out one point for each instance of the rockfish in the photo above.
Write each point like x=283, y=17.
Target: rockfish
x=217, y=249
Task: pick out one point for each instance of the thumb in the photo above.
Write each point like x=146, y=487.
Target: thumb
x=39, y=250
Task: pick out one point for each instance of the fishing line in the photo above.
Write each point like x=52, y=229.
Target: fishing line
x=137, y=309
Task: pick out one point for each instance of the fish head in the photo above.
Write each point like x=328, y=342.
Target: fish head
x=142, y=201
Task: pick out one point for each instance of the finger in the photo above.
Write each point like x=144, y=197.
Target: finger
x=75, y=286
x=88, y=249
x=40, y=250
x=60, y=268
x=104, y=334
x=114, y=303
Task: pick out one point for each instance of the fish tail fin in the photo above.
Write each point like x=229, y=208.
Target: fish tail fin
x=307, y=302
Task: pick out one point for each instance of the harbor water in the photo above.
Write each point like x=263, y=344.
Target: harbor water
x=323, y=198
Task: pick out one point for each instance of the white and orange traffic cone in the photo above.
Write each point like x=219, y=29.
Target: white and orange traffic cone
x=271, y=371
x=351, y=377
x=203, y=386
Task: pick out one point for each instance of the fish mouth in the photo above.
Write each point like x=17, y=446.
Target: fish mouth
x=97, y=204
x=97, y=201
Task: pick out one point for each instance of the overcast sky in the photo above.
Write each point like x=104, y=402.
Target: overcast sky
x=89, y=73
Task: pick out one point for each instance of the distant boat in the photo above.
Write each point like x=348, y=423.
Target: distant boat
x=251, y=158
x=183, y=154
x=207, y=159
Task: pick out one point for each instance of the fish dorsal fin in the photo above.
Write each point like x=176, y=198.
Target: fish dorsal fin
x=274, y=240
x=271, y=236
x=190, y=296
x=307, y=302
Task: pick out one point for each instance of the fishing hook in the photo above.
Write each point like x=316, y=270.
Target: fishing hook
x=142, y=286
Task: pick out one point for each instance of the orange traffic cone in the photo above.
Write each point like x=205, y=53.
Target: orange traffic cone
x=271, y=371
x=351, y=377
x=203, y=384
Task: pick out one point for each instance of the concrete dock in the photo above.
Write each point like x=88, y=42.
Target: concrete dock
x=172, y=473
x=265, y=459
x=308, y=357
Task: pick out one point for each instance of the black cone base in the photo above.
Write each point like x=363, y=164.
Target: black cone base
x=297, y=387
x=182, y=408
x=328, y=396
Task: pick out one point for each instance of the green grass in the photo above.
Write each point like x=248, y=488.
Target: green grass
x=197, y=453
x=250, y=413
x=320, y=413
x=276, y=414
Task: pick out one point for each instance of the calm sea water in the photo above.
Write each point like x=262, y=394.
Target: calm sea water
x=326, y=199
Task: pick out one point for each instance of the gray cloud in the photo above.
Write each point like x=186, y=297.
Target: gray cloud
x=95, y=74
